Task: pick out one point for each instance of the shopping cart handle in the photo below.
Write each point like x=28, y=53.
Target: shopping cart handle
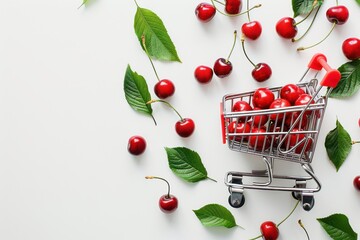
x=332, y=76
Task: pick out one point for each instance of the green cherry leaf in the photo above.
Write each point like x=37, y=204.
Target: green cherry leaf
x=338, y=145
x=215, y=215
x=349, y=83
x=338, y=227
x=157, y=39
x=186, y=164
x=358, y=1
x=136, y=92
x=301, y=7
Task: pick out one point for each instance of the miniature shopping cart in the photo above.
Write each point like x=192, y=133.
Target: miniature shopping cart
x=290, y=134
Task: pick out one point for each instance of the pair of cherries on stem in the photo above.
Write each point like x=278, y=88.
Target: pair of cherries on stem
x=185, y=126
x=164, y=88
x=223, y=67
x=168, y=203
x=205, y=12
x=287, y=27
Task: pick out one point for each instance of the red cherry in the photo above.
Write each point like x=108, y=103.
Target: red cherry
x=205, y=12
x=292, y=117
x=185, y=127
x=261, y=72
x=239, y=128
x=357, y=182
x=222, y=67
x=290, y=92
x=337, y=14
x=260, y=120
x=286, y=28
x=351, y=48
x=164, y=89
x=203, y=74
x=262, y=98
x=233, y=6
x=136, y=145
x=259, y=141
x=269, y=230
x=295, y=138
x=240, y=106
x=168, y=203
x=252, y=30
x=279, y=103
x=303, y=99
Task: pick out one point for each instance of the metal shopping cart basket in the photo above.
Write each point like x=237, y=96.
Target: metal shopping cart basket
x=285, y=133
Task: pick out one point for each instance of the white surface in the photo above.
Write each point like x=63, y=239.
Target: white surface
x=65, y=172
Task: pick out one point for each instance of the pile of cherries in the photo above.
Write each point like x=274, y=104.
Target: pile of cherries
x=264, y=98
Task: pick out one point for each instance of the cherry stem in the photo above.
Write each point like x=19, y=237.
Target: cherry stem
x=303, y=48
x=219, y=2
x=160, y=178
x=148, y=55
x=304, y=17
x=232, y=48
x=303, y=227
x=354, y=142
x=247, y=10
x=168, y=104
x=308, y=29
x=243, y=47
x=297, y=203
x=233, y=15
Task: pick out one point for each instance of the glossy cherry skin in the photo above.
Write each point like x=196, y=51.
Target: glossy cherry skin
x=168, y=203
x=262, y=98
x=295, y=138
x=337, y=14
x=290, y=92
x=252, y=30
x=185, y=127
x=222, y=68
x=286, y=28
x=259, y=120
x=304, y=99
x=233, y=6
x=205, y=12
x=240, y=106
x=164, y=88
x=351, y=48
x=261, y=72
x=292, y=117
x=357, y=182
x=269, y=230
x=136, y=145
x=279, y=103
x=203, y=74
x=239, y=128
x=259, y=141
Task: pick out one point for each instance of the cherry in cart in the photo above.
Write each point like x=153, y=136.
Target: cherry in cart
x=283, y=124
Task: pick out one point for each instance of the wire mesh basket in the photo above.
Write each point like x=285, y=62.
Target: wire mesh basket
x=285, y=130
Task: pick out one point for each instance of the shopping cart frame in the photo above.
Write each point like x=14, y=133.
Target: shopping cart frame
x=279, y=147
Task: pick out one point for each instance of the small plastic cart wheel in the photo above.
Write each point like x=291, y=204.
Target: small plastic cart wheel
x=296, y=195
x=236, y=200
x=308, y=203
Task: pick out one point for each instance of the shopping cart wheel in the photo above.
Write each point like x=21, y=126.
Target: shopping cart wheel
x=308, y=201
x=296, y=195
x=236, y=200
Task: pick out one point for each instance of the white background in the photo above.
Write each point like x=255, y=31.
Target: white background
x=65, y=172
